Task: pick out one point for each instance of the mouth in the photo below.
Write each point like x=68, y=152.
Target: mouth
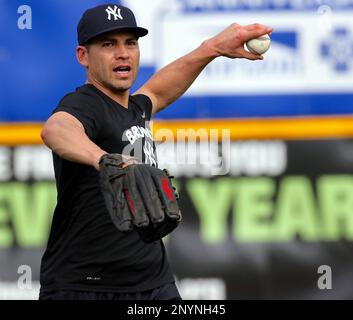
x=122, y=70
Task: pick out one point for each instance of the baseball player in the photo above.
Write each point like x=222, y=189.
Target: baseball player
x=114, y=204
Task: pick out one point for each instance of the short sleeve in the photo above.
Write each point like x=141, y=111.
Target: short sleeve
x=144, y=103
x=85, y=110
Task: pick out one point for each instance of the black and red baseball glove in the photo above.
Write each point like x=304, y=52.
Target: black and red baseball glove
x=139, y=196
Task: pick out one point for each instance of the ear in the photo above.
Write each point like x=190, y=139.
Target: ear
x=82, y=56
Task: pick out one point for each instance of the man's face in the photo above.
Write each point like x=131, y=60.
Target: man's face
x=113, y=60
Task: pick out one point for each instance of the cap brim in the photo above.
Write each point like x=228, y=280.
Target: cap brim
x=140, y=32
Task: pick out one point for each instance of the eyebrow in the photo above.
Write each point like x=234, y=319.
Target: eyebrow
x=103, y=39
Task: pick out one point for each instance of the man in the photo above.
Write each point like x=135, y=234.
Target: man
x=86, y=256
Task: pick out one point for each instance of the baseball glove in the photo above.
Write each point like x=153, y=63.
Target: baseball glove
x=139, y=196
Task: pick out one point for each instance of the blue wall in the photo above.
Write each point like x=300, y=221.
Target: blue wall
x=38, y=67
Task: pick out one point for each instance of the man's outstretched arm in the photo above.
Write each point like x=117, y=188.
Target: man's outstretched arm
x=169, y=83
x=65, y=135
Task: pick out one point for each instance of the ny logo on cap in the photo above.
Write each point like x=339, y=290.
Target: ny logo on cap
x=115, y=12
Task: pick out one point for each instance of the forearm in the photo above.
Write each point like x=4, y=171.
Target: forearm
x=172, y=81
x=169, y=83
x=71, y=143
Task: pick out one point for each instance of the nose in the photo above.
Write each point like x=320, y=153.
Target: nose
x=121, y=52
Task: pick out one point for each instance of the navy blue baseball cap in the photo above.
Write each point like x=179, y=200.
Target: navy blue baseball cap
x=106, y=18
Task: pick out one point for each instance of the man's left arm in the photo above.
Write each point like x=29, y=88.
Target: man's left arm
x=169, y=83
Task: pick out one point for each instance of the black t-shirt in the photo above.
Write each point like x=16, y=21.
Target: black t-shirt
x=85, y=251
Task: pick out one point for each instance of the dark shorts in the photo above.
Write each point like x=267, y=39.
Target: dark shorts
x=166, y=292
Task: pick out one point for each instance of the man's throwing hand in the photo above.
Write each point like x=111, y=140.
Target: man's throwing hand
x=230, y=42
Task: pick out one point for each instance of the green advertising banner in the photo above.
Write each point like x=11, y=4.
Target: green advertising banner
x=278, y=225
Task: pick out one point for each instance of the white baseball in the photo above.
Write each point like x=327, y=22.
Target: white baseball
x=259, y=45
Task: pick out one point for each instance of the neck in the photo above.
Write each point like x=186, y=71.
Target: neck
x=120, y=97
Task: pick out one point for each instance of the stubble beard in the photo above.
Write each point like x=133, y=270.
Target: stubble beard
x=119, y=89
x=116, y=89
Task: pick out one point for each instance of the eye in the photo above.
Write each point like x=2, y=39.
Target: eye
x=132, y=43
x=107, y=44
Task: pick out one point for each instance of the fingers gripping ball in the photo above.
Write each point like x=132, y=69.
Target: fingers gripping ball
x=139, y=197
x=259, y=45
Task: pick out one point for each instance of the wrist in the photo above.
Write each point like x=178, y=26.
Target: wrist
x=210, y=49
x=96, y=158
